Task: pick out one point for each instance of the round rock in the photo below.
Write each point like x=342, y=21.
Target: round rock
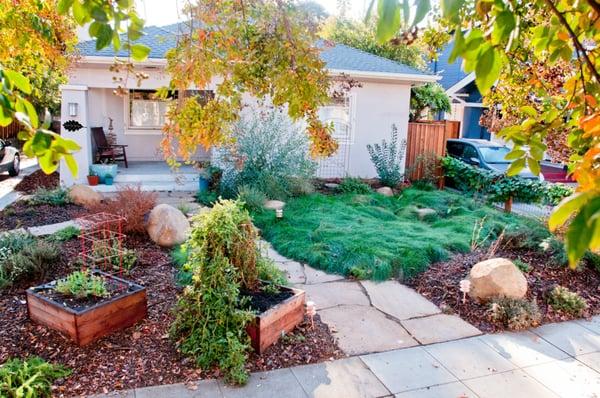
x=496, y=277
x=83, y=195
x=385, y=191
x=167, y=226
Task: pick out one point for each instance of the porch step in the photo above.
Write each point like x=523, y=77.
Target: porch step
x=155, y=186
x=169, y=178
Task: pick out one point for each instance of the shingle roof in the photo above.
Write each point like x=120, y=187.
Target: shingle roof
x=339, y=57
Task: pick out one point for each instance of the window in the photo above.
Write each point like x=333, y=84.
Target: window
x=470, y=152
x=455, y=149
x=495, y=154
x=146, y=111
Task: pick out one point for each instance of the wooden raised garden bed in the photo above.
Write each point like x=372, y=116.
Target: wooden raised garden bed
x=269, y=325
x=85, y=322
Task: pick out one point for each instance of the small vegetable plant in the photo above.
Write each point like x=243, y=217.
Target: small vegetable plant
x=82, y=284
x=30, y=378
x=388, y=159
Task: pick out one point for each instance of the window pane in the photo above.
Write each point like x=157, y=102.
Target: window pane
x=147, y=111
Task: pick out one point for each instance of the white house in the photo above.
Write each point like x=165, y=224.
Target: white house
x=364, y=117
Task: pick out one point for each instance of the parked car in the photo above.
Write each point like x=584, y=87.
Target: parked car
x=485, y=154
x=10, y=160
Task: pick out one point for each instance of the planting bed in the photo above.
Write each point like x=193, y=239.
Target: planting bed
x=38, y=179
x=24, y=215
x=440, y=284
x=141, y=355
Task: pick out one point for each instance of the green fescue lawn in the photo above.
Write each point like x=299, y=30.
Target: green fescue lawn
x=377, y=237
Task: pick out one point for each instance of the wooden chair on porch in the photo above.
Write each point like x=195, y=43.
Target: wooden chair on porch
x=104, y=150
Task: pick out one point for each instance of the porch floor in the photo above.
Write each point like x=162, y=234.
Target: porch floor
x=145, y=168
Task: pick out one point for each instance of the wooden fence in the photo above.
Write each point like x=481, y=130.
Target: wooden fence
x=9, y=132
x=425, y=138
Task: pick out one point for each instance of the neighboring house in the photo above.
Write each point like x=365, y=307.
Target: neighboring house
x=464, y=96
x=364, y=116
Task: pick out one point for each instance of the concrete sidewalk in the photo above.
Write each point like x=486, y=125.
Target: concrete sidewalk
x=555, y=360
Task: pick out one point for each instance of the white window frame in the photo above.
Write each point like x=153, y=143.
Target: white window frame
x=137, y=130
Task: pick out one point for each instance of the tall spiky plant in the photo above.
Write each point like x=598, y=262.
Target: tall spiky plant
x=388, y=158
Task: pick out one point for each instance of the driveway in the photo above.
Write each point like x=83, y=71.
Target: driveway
x=7, y=184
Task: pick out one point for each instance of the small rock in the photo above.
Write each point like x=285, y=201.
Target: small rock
x=385, y=191
x=83, y=195
x=496, y=277
x=167, y=226
x=422, y=213
x=274, y=205
x=331, y=185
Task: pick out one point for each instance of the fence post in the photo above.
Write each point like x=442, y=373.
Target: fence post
x=508, y=205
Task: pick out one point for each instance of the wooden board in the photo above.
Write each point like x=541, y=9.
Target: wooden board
x=86, y=326
x=268, y=327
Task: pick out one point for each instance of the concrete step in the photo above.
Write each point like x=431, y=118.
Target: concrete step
x=155, y=186
x=143, y=178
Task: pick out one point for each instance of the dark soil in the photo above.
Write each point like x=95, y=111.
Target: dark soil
x=23, y=215
x=440, y=284
x=263, y=300
x=38, y=179
x=142, y=355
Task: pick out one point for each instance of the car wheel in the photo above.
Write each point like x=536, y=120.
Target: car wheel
x=15, y=167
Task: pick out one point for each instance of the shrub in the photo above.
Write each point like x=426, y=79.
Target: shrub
x=31, y=378
x=26, y=263
x=185, y=208
x=268, y=271
x=253, y=199
x=55, y=197
x=131, y=203
x=556, y=192
x=522, y=265
x=562, y=299
x=300, y=186
x=353, y=185
x=64, y=234
x=388, y=159
x=179, y=256
x=82, y=284
x=222, y=256
x=206, y=198
x=270, y=154
x=515, y=314
x=429, y=164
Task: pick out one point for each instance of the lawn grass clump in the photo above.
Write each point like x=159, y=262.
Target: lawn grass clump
x=377, y=237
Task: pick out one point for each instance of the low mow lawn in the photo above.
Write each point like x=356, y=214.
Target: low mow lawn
x=377, y=237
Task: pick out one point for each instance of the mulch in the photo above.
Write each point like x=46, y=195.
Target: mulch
x=22, y=214
x=440, y=284
x=142, y=355
x=38, y=179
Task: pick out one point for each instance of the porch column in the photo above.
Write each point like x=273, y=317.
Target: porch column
x=76, y=94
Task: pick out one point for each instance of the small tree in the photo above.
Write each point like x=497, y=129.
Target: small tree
x=429, y=96
x=388, y=159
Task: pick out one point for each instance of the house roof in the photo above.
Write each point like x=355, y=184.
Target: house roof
x=337, y=57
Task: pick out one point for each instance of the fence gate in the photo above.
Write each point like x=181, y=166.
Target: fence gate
x=425, y=138
x=338, y=112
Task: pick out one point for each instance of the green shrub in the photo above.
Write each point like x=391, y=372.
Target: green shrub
x=358, y=272
x=253, y=199
x=353, y=185
x=31, y=378
x=206, y=198
x=562, y=299
x=179, y=256
x=55, y=197
x=82, y=284
x=592, y=259
x=28, y=263
x=268, y=271
x=388, y=159
x=64, y=234
x=185, y=208
x=222, y=256
x=515, y=314
x=270, y=154
x=522, y=265
x=556, y=192
x=300, y=186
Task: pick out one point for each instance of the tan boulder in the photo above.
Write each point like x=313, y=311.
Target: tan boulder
x=496, y=277
x=83, y=195
x=167, y=226
x=385, y=191
x=274, y=205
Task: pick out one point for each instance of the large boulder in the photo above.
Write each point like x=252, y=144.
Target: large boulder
x=167, y=226
x=496, y=277
x=83, y=195
x=385, y=191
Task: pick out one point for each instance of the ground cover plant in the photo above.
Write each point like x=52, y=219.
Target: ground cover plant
x=31, y=378
x=378, y=237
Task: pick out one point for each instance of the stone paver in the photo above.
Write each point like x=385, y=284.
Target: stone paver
x=348, y=378
x=450, y=390
x=469, y=358
x=317, y=276
x=567, y=378
x=592, y=360
x=439, y=328
x=273, y=255
x=524, y=348
x=273, y=384
x=51, y=228
x=398, y=300
x=202, y=389
x=294, y=271
x=410, y=369
x=326, y=295
x=570, y=337
x=361, y=330
x=591, y=324
x=513, y=384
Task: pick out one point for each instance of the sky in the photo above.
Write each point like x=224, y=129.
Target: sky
x=164, y=12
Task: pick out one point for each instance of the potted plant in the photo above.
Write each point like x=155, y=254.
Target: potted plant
x=106, y=168
x=92, y=178
x=204, y=175
x=108, y=179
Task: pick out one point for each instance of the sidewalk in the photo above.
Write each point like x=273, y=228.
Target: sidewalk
x=7, y=193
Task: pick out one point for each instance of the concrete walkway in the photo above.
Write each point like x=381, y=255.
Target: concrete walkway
x=7, y=193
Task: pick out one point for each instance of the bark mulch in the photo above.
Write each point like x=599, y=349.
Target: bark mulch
x=440, y=284
x=22, y=214
x=38, y=179
x=142, y=355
